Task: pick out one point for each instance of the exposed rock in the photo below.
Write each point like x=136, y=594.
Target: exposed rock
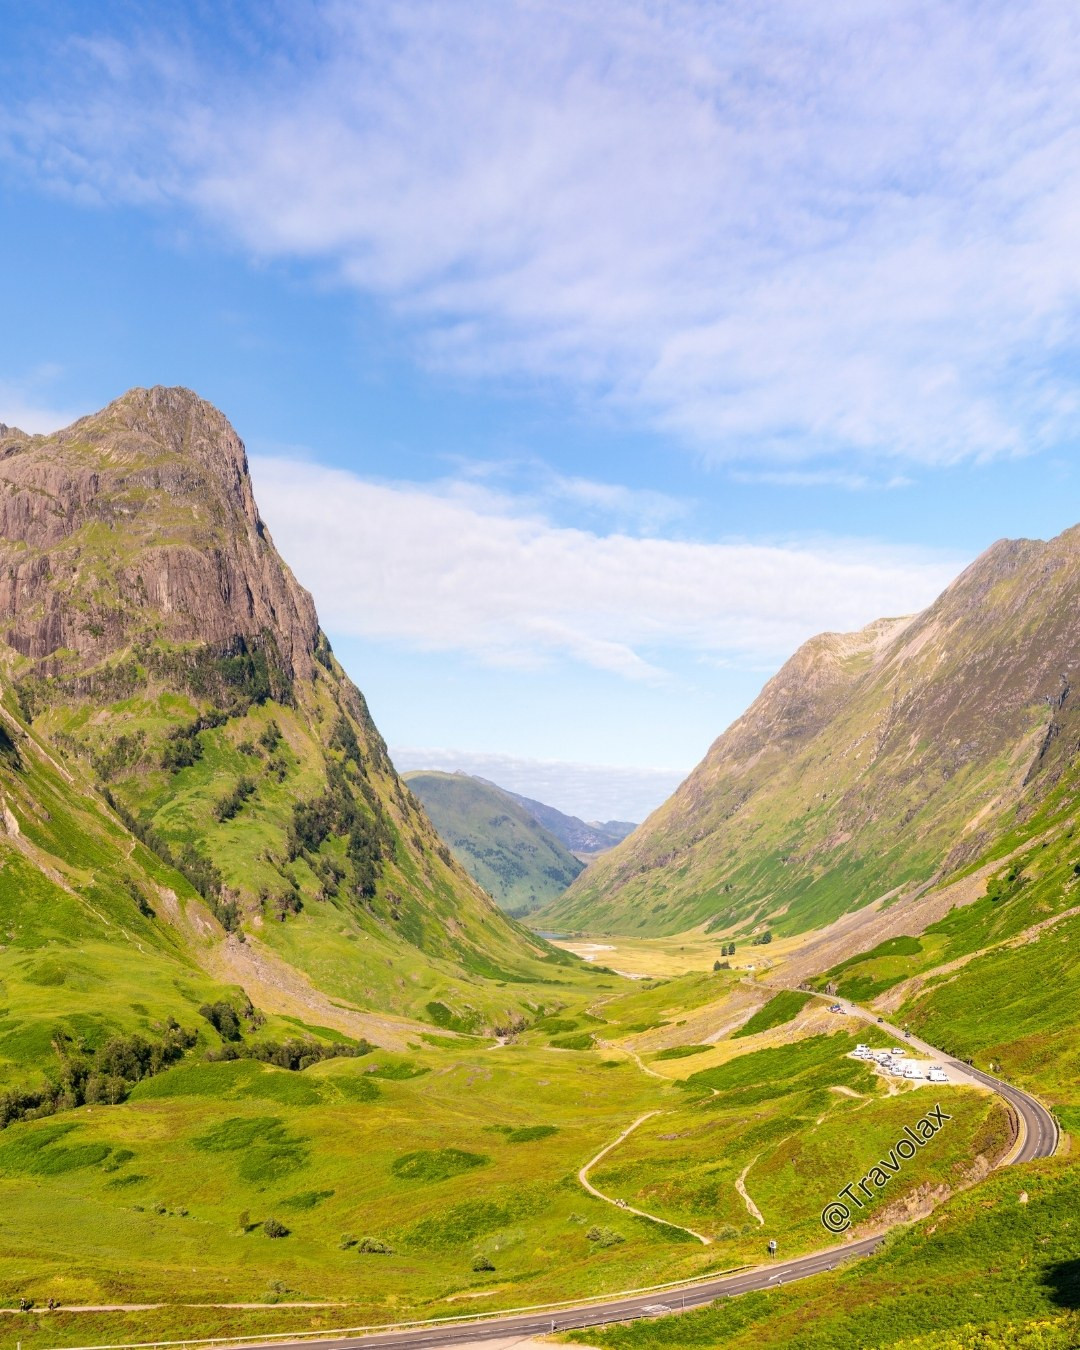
x=139, y=522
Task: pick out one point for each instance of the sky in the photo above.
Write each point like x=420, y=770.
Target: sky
x=589, y=358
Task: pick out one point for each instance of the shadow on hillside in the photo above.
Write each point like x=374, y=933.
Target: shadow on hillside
x=1063, y=1282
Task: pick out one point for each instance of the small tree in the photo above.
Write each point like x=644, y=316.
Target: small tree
x=274, y=1228
x=483, y=1262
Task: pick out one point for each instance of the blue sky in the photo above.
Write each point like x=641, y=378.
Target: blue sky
x=589, y=357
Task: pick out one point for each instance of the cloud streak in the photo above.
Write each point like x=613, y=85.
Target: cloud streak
x=780, y=232
x=442, y=567
x=589, y=791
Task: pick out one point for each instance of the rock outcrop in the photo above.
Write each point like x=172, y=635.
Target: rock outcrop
x=139, y=522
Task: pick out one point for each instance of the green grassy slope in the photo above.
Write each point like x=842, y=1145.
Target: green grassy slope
x=996, y=981
x=986, y=1271
x=495, y=839
x=871, y=761
x=95, y=930
x=158, y=639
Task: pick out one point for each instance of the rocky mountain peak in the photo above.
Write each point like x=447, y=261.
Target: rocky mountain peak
x=140, y=522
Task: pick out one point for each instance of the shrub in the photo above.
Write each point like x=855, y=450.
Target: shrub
x=274, y=1228
x=370, y=1246
x=482, y=1262
x=604, y=1237
x=270, y=737
x=223, y=1018
x=231, y=804
x=436, y=1164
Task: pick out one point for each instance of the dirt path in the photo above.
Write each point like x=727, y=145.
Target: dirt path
x=583, y=1177
x=633, y=1054
x=740, y=1186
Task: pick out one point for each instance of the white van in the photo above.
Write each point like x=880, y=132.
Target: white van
x=936, y=1074
x=913, y=1071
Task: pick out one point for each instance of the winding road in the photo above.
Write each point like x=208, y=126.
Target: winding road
x=1037, y=1137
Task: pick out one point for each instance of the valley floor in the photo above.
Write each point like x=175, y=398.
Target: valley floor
x=705, y=1114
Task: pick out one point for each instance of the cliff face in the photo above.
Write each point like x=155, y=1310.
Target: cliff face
x=154, y=634
x=139, y=523
x=870, y=761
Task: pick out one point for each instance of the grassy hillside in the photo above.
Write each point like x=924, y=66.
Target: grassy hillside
x=263, y=1040
x=496, y=839
x=993, y=1269
x=158, y=640
x=872, y=763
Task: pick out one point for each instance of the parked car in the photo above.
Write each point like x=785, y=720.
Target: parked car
x=836, y=1008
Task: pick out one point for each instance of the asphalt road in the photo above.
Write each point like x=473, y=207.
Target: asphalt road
x=1040, y=1128
x=1039, y=1138
x=596, y=1314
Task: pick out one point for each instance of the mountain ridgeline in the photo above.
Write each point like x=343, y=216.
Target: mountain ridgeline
x=581, y=837
x=496, y=839
x=231, y=795
x=872, y=764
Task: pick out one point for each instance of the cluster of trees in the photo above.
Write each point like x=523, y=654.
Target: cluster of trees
x=199, y=870
x=369, y=838
x=283, y=903
x=183, y=746
x=232, y=803
x=762, y=939
x=728, y=949
x=88, y=1076
x=293, y=1054
x=228, y=1021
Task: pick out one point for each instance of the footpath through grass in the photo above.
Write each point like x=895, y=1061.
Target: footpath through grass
x=987, y=1259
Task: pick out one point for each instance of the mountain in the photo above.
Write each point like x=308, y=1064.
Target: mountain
x=496, y=839
x=579, y=836
x=157, y=648
x=871, y=765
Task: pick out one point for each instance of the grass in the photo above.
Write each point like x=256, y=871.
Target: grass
x=775, y=1118
x=782, y=1008
x=983, y=1261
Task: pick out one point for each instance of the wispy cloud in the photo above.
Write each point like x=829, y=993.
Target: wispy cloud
x=821, y=478
x=25, y=403
x=779, y=230
x=443, y=567
x=589, y=791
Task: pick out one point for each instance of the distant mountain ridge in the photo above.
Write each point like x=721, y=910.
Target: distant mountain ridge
x=872, y=763
x=496, y=839
x=579, y=836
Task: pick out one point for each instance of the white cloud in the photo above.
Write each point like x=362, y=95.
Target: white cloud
x=592, y=792
x=825, y=478
x=445, y=567
x=23, y=405
x=776, y=229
